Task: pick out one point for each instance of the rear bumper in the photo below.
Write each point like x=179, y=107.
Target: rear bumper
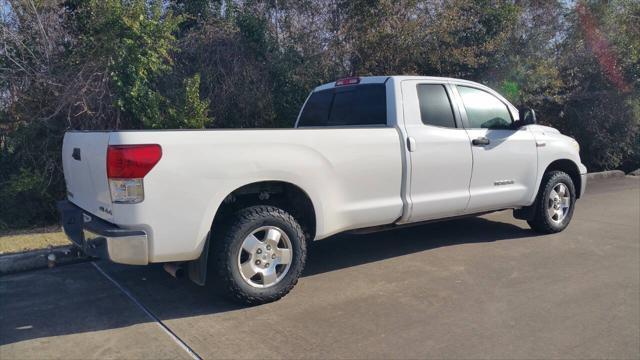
x=99, y=238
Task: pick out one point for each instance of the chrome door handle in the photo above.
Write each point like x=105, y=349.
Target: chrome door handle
x=481, y=141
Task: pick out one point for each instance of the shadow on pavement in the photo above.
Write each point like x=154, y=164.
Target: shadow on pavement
x=350, y=250
x=77, y=298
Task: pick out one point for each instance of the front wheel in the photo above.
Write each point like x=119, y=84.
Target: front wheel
x=554, y=204
x=260, y=256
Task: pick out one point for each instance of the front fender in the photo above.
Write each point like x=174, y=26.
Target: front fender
x=553, y=147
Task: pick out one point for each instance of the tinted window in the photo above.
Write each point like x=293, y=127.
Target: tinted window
x=435, y=107
x=316, y=110
x=484, y=110
x=346, y=106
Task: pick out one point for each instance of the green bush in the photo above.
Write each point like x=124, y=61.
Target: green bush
x=31, y=179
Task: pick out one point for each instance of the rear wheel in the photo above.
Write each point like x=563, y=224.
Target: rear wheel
x=261, y=255
x=554, y=204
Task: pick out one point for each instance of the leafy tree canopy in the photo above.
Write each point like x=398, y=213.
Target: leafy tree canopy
x=141, y=64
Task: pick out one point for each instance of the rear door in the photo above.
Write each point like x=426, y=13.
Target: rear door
x=439, y=150
x=84, y=161
x=504, y=157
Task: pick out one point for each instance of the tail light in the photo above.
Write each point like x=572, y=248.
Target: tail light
x=127, y=165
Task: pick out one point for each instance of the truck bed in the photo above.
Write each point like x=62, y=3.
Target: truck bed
x=352, y=176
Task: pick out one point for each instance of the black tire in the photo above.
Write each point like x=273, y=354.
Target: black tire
x=542, y=221
x=226, y=252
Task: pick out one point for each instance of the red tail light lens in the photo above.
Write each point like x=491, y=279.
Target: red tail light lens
x=132, y=161
x=348, y=81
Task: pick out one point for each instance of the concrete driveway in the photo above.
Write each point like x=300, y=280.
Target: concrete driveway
x=483, y=287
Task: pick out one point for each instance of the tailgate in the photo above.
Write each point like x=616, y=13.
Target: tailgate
x=84, y=160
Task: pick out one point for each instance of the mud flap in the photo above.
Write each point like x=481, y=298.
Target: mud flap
x=525, y=213
x=197, y=269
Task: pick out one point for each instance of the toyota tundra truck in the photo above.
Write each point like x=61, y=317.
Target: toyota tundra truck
x=237, y=208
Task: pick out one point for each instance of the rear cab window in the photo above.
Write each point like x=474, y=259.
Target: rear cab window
x=354, y=105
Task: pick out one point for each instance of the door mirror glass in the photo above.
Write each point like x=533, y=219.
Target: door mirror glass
x=527, y=117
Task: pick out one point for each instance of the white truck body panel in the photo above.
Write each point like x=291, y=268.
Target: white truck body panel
x=356, y=177
x=86, y=179
x=511, y=161
x=504, y=171
x=441, y=163
x=553, y=146
x=352, y=177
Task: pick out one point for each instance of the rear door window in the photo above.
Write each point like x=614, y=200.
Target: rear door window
x=435, y=107
x=358, y=105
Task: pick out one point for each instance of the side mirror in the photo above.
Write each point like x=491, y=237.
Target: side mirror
x=527, y=117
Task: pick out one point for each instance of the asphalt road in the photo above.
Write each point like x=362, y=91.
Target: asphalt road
x=483, y=287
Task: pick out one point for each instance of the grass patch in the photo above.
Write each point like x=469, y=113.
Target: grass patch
x=32, y=240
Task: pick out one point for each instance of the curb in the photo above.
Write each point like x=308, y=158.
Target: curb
x=39, y=259
x=606, y=174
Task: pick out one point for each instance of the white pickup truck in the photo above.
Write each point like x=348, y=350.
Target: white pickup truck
x=366, y=154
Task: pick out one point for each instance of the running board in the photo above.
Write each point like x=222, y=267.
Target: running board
x=375, y=229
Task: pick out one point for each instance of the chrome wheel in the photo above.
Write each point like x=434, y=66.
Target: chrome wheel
x=558, y=203
x=265, y=257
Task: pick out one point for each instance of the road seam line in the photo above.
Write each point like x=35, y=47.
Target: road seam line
x=164, y=327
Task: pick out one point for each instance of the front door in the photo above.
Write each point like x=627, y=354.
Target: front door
x=504, y=157
x=439, y=151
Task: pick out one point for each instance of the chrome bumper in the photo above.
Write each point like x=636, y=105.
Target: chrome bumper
x=101, y=239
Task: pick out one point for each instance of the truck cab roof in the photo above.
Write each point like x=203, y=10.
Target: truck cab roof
x=383, y=79
x=361, y=106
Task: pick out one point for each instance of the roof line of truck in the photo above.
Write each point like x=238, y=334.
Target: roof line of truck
x=224, y=129
x=384, y=79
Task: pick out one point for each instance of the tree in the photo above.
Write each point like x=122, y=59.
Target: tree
x=138, y=64
x=601, y=100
